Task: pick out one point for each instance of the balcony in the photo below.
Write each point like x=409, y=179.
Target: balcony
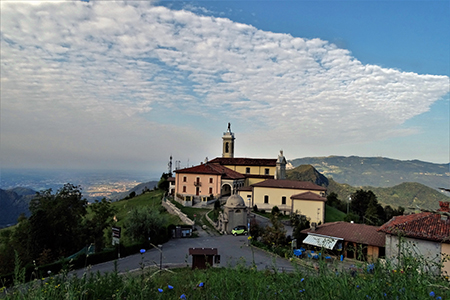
x=197, y=183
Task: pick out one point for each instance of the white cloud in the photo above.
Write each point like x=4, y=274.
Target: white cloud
x=96, y=68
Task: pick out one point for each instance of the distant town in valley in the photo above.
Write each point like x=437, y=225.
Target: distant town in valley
x=95, y=184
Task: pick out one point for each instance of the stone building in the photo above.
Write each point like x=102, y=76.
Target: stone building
x=234, y=214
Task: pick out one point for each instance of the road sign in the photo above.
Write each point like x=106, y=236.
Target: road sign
x=116, y=232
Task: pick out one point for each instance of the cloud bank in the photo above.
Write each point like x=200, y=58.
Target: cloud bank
x=99, y=80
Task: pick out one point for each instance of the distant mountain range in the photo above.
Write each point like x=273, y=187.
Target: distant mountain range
x=378, y=171
x=14, y=202
x=395, y=182
x=405, y=194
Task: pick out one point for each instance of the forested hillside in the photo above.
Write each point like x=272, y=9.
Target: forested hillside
x=407, y=194
x=14, y=202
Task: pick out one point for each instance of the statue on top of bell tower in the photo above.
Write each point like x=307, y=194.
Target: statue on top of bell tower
x=228, y=143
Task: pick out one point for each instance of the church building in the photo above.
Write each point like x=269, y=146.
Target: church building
x=258, y=181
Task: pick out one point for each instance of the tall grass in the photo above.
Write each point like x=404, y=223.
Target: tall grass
x=373, y=281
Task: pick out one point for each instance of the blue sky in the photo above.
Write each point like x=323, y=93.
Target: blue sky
x=124, y=85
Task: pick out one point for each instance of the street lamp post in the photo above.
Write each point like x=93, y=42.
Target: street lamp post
x=348, y=202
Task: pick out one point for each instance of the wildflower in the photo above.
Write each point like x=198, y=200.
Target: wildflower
x=357, y=286
x=301, y=291
x=142, y=251
x=432, y=294
x=249, y=238
x=201, y=284
x=302, y=279
x=183, y=296
x=170, y=287
x=160, y=290
x=439, y=298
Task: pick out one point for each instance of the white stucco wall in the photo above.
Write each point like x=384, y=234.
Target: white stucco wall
x=430, y=251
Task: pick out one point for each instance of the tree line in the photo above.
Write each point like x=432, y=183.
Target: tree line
x=63, y=223
x=363, y=207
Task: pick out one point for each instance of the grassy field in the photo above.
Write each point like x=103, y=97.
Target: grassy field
x=150, y=199
x=333, y=214
x=242, y=283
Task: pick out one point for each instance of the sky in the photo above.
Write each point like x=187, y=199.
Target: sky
x=125, y=85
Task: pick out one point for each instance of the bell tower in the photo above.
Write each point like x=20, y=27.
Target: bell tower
x=228, y=143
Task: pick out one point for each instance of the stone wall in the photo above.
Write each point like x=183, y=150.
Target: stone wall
x=171, y=208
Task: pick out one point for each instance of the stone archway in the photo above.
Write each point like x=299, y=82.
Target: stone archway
x=226, y=190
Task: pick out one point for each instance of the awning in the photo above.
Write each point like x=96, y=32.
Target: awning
x=327, y=242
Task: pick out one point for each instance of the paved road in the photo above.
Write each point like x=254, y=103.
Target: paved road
x=232, y=250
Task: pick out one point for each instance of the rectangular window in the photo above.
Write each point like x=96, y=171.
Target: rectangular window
x=247, y=170
x=184, y=189
x=184, y=179
x=210, y=180
x=283, y=200
x=210, y=190
x=266, y=199
x=266, y=172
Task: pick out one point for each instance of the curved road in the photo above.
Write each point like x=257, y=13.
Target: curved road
x=232, y=250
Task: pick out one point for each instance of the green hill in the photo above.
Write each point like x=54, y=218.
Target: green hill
x=152, y=199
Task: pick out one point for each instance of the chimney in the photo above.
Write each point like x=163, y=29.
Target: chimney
x=313, y=226
x=444, y=206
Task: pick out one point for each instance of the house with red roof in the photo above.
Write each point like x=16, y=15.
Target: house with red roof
x=351, y=240
x=426, y=234
x=205, y=180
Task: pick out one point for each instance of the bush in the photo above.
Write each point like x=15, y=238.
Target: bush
x=217, y=205
x=255, y=208
x=275, y=210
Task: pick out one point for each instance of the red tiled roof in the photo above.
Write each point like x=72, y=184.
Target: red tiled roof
x=212, y=169
x=258, y=176
x=245, y=188
x=244, y=161
x=351, y=232
x=425, y=225
x=289, y=184
x=308, y=196
x=171, y=179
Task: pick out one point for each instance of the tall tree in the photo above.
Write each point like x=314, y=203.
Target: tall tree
x=145, y=223
x=163, y=183
x=299, y=222
x=360, y=202
x=275, y=234
x=56, y=223
x=101, y=217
